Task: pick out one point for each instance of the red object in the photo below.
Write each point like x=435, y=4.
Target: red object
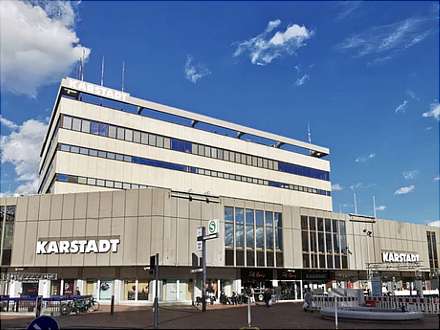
x=370, y=303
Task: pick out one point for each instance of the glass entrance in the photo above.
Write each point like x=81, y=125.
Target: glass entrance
x=289, y=290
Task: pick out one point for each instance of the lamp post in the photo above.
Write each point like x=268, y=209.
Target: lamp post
x=368, y=233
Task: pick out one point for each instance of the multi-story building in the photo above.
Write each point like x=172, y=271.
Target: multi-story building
x=119, y=185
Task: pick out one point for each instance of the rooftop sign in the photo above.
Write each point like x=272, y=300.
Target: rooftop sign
x=400, y=257
x=102, y=91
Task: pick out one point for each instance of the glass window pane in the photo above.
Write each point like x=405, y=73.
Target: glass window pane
x=128, y=135
x=85, y=127
x=83, y=151
x=312, y=223
x=67, y=122
x=249, y=217
x=279, y=238
x=320, y=224
x=304, y=224
x=229, y=234
x=306, y=262
x=166, y=143
x=320, y=242
x=94, y=128
x=91, y=181
x=152, y=139
x=239, y=236
x=143, y=290
x=249, y=236
x=259, y=233
x=305, y=240
x=136, y=136
x=144, y=138
x=129, y=290
x=328, y=242
x=229, y=214
x=159, y=141
x=259, y=217
x=76, y=124
x=120, y=133
x=103, y=129
x=112, y=132
x=269, y=237
x=214, y=152
x=328, y=225
x=313, y=241
x=260, y=162
x=74, y=149
x=239, y=215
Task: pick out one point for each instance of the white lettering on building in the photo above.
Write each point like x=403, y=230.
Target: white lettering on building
x=400, y=257
x=78, y=246
x=97, y=90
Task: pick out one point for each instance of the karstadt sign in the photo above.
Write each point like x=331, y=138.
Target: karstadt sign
x=388, y=256
x=78, y=246
x=97, y=90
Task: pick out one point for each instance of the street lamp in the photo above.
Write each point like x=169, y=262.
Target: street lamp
x=369, y=233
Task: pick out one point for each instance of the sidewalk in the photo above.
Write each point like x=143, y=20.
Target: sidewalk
x=281, y=316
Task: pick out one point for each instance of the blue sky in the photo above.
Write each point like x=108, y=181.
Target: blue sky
x=365, y=75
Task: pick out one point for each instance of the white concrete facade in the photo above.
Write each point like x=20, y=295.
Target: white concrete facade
x=53, y=161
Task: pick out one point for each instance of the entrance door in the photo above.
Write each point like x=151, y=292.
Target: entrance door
x=30, y=289
x=289, y=290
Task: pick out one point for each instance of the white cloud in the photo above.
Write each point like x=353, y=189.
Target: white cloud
x=263, y=48
x=347, y=7
x=381, y=208
x=405, y=190
x=39, y=44
x=363, y=159
x=401, y=107
x=385, y=41
x=301, y=81
x=435, y=223
x=410, y=175
x=434, y=112
x=337, y=187
x=194, y=72
x=361, y=185
x=436, y=178
x=6, y=122
x=21, y=149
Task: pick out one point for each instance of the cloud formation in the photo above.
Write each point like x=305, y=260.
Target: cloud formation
x=347, y=8
x=381, y=208
x=337, y=187
x=383, y=42
x=401, y=107
x=265, y=47
x=39, y=44
x=20, y=148
x=302, y=80
x=410, y=175
x=363, y=159
x=193, y=71
x=7, y=123
x=434, y=112
x=405, y=190
x=436, y=178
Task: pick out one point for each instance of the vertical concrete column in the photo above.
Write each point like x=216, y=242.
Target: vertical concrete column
x=177, y=290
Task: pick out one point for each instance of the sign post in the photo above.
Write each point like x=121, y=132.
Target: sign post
x=202, y=236
x=154, y=267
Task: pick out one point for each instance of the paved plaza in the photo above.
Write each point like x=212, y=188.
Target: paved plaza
x=281, y=316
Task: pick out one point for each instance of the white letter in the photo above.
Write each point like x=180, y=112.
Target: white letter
x=52, y=247
x=82, y=244
x=385, y=256
x=74, y=246
x=114, y=243
x=104, y=245
x=64, y=247
x=91, y=246
x=41, y=247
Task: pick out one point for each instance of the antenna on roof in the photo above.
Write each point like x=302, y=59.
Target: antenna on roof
x=355, y=203
x=82, y=64
x=123, y=74
x=309, y=133
x=374, y=206
x=102, y=71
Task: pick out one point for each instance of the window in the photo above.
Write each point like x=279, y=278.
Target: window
x=152, y=140
x=65, y=147
x=128, y=135
x=85, y=126
x=67, y=122
x=144, y=138
x=91, y=181
x=167, y=143
x=76, y=124
x=111, y=155
x=103, y=129
x=250, y=241
x=93, y=152
x=112, y=132
x=159, y=141
x=136, y=136
x=120, y=133
x=74, y=149
x=259, y=223
x=239, y=227
x=84, y=151
x=269, y=230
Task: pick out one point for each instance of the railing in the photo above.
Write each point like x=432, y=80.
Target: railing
x=426, y=305
x=22, y=304
x=429, y=305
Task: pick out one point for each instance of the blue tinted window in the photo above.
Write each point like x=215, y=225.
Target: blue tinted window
x=303, y=170
x=94, y=128
x=180, y=145
x=62, y=177
x=103, y=129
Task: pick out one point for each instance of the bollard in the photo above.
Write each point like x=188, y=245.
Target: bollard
x=336, y=312
x=17, y=302
x=249, y=312
x=38, y=302
x=112, y=306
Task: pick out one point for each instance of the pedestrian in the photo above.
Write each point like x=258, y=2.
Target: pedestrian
x=77, y=292
x=267, y=297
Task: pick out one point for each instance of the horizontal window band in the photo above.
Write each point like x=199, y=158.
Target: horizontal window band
x=140, y=137
x=185, y=168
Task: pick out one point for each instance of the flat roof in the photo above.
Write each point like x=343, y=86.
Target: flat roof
x=124, y=97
